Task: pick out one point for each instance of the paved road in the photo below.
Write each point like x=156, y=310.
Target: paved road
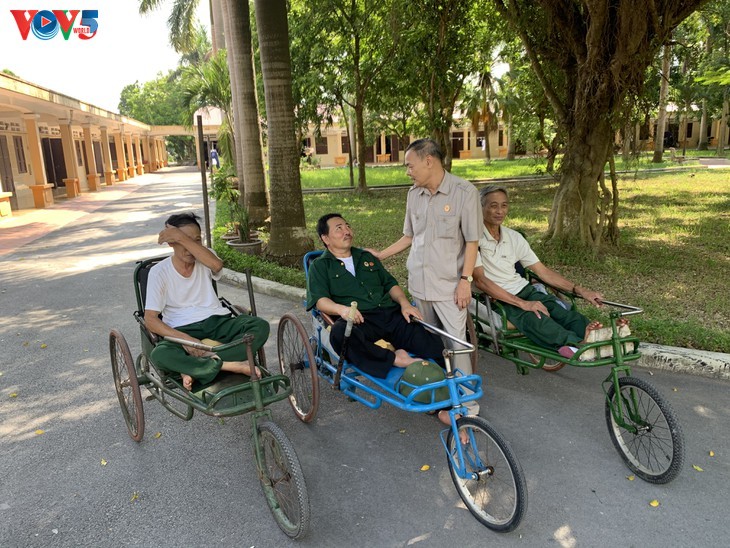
x=195, y=485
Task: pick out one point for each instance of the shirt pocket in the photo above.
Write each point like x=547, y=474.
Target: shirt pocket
x=447, y=226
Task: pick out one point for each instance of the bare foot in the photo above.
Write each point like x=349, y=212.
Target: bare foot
x=240, y=367
x=187, y=381
x=403, y=359
x=591, y=327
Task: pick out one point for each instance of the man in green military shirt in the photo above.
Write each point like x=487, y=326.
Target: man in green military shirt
x=343, y=274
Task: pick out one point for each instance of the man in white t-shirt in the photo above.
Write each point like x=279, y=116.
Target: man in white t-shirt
x=539, y=316
x=180, y=290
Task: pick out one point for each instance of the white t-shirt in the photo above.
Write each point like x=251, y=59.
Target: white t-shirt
x=182, y=300
x=349, y=264
x=498, y=258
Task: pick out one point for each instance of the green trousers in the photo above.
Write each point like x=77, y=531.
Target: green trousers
x=562, y=328
x=224, y=329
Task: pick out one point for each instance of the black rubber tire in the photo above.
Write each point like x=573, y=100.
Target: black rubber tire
x=297, y=361
x=498, y=499
x=283, y=482
x=656, y=452
x=126, y=385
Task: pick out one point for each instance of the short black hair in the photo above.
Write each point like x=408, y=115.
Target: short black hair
x=183, y=219
x=426, y=147
x=323, y=228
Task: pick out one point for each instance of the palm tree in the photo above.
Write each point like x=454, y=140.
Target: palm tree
x=250, y=165
x=289, y=239
x=181, y=21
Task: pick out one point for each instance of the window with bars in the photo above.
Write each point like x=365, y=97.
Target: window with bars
x=321, y=145
x=79, y=159
x=20, y=154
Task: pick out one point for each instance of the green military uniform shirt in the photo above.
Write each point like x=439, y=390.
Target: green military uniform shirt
x=329, y=278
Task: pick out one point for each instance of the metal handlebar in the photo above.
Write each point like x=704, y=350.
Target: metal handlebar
x=632, y=309
x=468, y=347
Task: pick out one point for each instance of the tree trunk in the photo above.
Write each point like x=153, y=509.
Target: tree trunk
x=582, y=167
x=702, y=144
x=510, y=140
x=217, y=25
x=234, y=75
x=248, y=131
x=663, y=92
x=289, y=237
x=722, y=126
x=362, y=185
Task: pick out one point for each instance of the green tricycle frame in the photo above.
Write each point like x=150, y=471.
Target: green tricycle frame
x=641, y=422
x=279, y=470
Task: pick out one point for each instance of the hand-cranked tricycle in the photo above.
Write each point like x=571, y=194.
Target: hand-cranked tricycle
x=485, y=471
x=641, y=423
x=229, y=394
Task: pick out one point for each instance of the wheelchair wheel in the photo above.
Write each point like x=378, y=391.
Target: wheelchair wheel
x=550, y=365
x=297, y=361
x=655, y=452
x=127, y=385
x=494, y=490
x=282, y=480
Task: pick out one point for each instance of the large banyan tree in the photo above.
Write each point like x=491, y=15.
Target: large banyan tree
x=589, y=55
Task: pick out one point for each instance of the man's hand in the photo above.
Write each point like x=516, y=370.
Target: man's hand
x=409, y=310
x=195, y=352
x=462, y=295
x=345, y=314
x=593, y=297
x=534, y=306
x=171, y=235
x=374, y=252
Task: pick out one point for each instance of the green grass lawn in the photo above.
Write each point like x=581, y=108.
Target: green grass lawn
x=471, y=170
x=672, y=260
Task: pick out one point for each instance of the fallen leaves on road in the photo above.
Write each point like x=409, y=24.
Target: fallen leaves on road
x=39, y=432
x=654, y=503
x=157, y=435
x=103, y=462
x=697, y=468
x=631, y=478
x=425, y=467
x=712, y=453
x=135, y=497
x=44, y=345
x=14, y=395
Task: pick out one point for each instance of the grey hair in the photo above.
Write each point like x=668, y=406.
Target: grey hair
x=487, y=190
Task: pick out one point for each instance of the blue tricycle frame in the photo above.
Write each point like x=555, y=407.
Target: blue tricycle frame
x=484, y=469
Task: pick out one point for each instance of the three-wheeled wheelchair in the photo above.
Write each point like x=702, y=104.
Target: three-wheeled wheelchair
x=641, y=423
x=229, y=394
x=484, y=470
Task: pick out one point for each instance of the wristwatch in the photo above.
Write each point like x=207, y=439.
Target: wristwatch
x=469, y=278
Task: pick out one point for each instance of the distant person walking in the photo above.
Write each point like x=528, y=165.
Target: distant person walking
x=214, y=159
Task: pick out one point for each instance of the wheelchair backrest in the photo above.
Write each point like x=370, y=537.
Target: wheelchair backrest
x=141, y=273
x=308, y=258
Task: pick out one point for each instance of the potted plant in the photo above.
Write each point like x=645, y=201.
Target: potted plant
x=246, y=242
x=225, y=192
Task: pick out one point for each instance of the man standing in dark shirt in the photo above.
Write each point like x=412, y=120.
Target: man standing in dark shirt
x=343, y=274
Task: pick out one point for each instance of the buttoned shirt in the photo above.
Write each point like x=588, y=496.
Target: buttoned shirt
x=439, y=225
x=370, y=286
x=498, y=258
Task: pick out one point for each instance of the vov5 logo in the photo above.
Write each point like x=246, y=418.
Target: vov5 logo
x=45, y=24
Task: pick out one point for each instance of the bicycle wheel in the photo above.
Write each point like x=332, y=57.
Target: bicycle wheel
x=282, y=480
x=495, y=491
x=655, y=452
x=297, y=361
x=126, y=385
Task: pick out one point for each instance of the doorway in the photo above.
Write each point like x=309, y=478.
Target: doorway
x=6, y=171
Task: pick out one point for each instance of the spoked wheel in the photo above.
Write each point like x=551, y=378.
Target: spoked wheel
x=655, y=452
x=126, y=384
x=297, y=361
x=494, y=490
x=282, y=480
x=550, y=365
x=471, y=337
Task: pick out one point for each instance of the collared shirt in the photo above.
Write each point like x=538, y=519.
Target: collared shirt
x=439, y=225
x=328, y=277
x=498, y=258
